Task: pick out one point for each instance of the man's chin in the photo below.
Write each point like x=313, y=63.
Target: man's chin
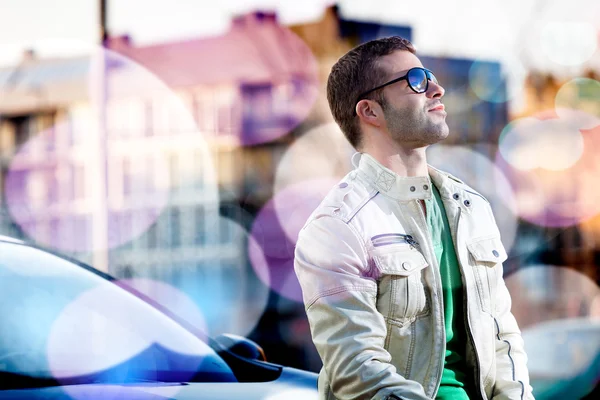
x=439, y=134
x=445, y=133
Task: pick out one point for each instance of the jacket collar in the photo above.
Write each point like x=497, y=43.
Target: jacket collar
x=401, y=187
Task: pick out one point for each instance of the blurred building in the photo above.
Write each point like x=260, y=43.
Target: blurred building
x=240, y=90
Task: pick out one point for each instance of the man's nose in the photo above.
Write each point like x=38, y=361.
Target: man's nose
x=435, y=90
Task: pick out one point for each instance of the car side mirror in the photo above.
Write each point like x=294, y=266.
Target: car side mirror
x=241, y=346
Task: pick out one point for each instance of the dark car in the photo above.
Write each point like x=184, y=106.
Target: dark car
x=68, y=331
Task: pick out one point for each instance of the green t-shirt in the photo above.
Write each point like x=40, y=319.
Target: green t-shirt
x=456, y=381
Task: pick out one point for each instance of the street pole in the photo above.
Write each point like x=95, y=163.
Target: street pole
x=99, y=181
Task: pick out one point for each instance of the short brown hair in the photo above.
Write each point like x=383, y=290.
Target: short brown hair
x=353, y=74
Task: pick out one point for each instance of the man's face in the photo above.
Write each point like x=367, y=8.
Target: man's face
x=410, y=117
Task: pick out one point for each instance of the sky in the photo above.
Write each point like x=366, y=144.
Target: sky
x=527, y=32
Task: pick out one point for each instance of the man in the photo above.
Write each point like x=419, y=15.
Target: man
x=401, y=264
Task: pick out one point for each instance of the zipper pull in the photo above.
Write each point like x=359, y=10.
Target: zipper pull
x=410, y=240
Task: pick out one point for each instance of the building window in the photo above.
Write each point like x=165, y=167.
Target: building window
x=174, y=173
x=36, y=187
x=82, y=231
x=175, y=227
x=45, y=126
x=152, y=235
x=199, y=233
x=198, y=162
x=126, y=118
x=81, y=122
x=226, y=231
x=226, y=169
x=204, y=105
x=23, y=130
x=7, y=137
x=149, y=176
x=127, y=177
x=225, y=119
x=257, y=111
x=127, y=228
x=149, y=126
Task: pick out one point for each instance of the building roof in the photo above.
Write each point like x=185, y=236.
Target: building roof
x=255, y=49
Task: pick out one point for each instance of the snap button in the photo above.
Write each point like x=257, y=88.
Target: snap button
x=406, y=265
x=455, y=196
x=412, y=188
x=343, y=185
x=425, y=187
x=495, y=253
x=467, y=203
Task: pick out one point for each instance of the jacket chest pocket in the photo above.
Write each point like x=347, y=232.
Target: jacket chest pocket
x=486, y=258
x=401, y=293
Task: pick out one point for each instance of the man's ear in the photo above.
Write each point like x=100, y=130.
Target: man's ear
x=370, y=112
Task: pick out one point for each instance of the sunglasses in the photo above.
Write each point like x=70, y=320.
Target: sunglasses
x=418, y=80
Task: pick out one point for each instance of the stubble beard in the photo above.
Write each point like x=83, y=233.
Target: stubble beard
x=410, y=125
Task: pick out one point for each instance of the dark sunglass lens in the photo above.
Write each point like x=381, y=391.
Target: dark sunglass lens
x=417, y=80
x=432, y=77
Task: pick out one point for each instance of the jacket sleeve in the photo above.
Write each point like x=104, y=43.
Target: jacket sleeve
x=340, y=301
x=512, y=376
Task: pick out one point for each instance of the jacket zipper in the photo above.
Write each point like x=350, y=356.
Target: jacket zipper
x=467, y=320
x=392, y=238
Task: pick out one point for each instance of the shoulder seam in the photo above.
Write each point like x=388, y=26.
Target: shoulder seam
x=374, y=192
x=360, y=238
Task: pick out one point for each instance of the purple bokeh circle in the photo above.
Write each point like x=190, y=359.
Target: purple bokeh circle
x=271, y=254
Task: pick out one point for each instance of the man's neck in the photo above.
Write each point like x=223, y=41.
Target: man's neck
x=403, y=161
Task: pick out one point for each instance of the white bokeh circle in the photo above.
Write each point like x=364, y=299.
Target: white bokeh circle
x=478, y=171
x=547, y=292
x=294, y=204
x=109, y=84
x=229, y=288
x=578, y=100
x=321, y=153
x=309, y=168
x=99, y=330
x=497, y=88
x=551, y=144
x=569, y=43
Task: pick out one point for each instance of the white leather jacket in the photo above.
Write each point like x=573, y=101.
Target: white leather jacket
x=372, y=292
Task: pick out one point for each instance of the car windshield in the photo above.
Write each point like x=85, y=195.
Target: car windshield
x=61, y=321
